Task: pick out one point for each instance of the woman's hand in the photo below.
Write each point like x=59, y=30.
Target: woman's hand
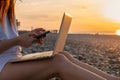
x=38, y=31
x=26, y=39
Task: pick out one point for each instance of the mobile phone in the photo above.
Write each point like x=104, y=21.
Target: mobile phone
x=42, y=35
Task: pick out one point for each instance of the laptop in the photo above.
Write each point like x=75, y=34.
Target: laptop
x=59, y=45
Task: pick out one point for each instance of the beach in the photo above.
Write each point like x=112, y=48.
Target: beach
x=100, y=51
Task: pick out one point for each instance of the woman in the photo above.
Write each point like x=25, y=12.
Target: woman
x=62, y=65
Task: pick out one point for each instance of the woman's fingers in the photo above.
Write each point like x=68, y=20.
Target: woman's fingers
x=39, y=30
x=33, y=34
x=36, y=32
x=40, y=41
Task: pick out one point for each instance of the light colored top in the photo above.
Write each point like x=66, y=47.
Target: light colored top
x=7, y=33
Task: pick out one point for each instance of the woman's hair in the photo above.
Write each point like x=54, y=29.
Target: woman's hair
x=7, y=8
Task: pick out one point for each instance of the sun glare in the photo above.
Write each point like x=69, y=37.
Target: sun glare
x=112, y=10
x=118, y=32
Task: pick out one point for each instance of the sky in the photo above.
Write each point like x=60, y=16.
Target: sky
x=89, y=16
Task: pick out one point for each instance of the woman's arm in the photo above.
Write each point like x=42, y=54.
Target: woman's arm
x=24, y=40
x=6, y=44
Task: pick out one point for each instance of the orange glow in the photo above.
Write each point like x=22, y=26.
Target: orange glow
x=89, y=16
x=118, y=32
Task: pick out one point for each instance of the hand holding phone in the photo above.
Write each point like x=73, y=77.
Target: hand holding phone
x=41, y=35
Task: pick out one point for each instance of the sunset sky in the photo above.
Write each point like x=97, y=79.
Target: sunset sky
x=89, y=16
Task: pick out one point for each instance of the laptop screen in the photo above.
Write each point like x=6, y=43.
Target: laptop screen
x=63, y=31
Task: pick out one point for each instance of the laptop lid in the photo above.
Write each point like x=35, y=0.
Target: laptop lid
x=63, y=31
